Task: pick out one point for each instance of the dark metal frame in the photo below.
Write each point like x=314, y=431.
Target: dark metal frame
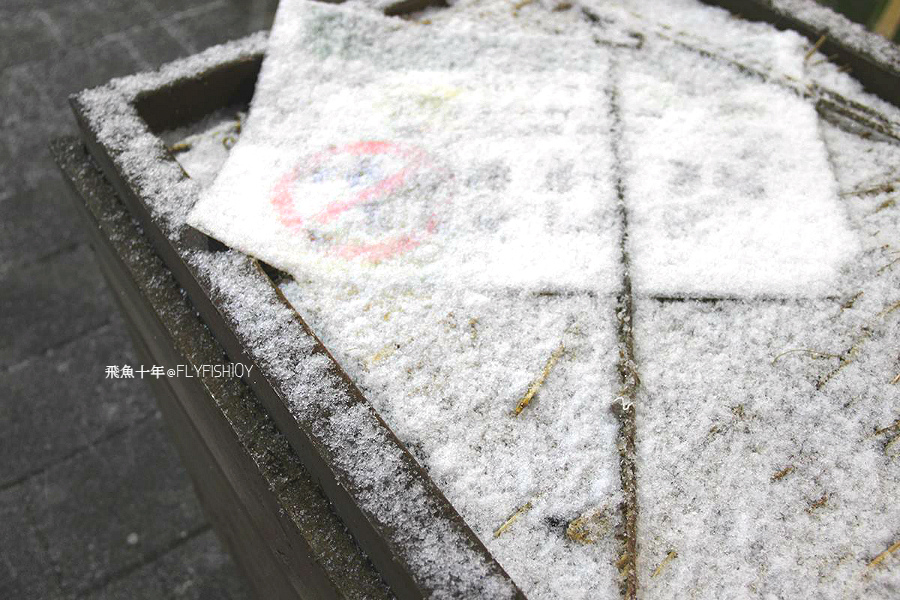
x=262, y=501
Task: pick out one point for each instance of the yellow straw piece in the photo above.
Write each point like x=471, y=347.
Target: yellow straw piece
x=536, y=386
x=669, y=558
x=512, y=519
x=815, y=47
x=881, y=557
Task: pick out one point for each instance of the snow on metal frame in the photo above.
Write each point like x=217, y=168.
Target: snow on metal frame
x=401, y=519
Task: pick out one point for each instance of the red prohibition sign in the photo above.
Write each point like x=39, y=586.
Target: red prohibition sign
x=415, y=160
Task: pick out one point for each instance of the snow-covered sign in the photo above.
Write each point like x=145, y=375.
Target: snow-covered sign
x=487, y=160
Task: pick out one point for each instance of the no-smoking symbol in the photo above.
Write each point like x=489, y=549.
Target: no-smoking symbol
x=373, y=200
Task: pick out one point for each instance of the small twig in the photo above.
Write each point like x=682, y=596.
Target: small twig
x=783, y=473
x=895, y=426
x=890, y=445
x=882, y=188
x=520, y=5
x=889, y=309
x=888, y=266
x=672, y=555
x=812, y=353
x=590, y=527
x=896, y=379
x=851, y=354
x=849, y=303
x=512, y=518
x=815, y=47
x=886, y=204
x=846, y=359
x=536, y=385
x=881, y=557
x=180, y=147
x=818, y=503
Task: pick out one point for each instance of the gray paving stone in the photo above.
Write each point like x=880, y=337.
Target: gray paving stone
x=83, y=22
x=24, y=569
x=197, y=570
x=59, y=403
x=155, y=46
x=26, y=34
x=50, y=302
x=84, y=461
x=37, y=222
x=24, y=100
x=25, y=123
x=109, y=510
x=232, y=20
x=36, y=117
x=10, y=180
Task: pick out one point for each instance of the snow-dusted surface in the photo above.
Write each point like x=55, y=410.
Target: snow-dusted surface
x=760, y=424
x=486, y=159
x=728, y=182
x=766, y=458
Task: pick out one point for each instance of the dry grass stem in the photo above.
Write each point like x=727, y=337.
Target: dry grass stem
x=888, y=266
x=512, y=518
x=672, y=555
x=881, y=557
x=783, y=473
x=847, y=359
x=590, y=527
x=889, y=447
x=815, y=48
x=889, y=309
x=807, y=351
x=818, y=503
x=895, y=426
x=520, y=5
x=180, y=147
x=882, y=188
x=536, y=385
x=886, y=204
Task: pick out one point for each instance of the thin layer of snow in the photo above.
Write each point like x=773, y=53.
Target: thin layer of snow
x=354, y=442
x=764, y=485
x=762, y=466
x=202, y=148
x=445, y=338
x=459, y=422
x=446, y=367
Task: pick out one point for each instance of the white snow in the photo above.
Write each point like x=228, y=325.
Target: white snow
x=728, y=184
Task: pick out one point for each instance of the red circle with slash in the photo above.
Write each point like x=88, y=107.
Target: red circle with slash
x=415, y=162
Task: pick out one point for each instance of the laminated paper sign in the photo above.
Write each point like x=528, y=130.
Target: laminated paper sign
x=374, y=150
x=395, y=152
